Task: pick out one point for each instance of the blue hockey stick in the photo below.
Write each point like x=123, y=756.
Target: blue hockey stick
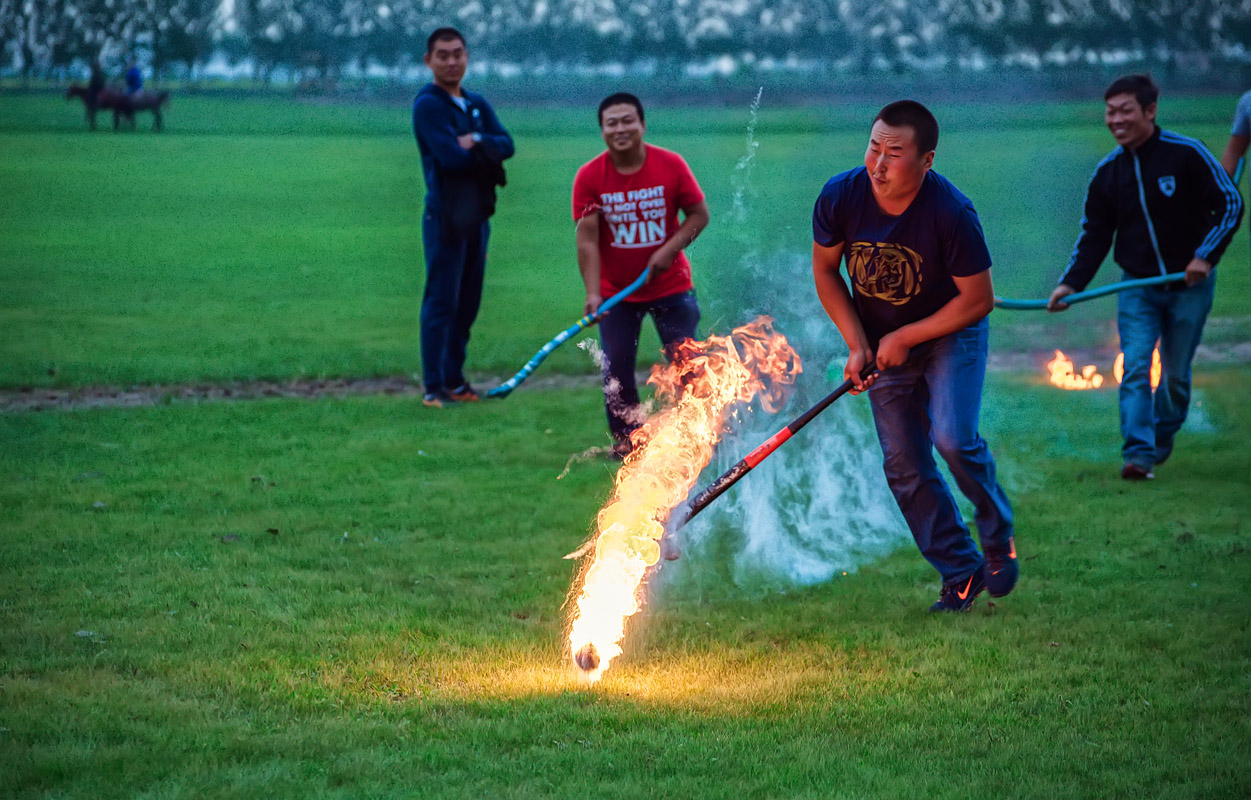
x=1077, y=297
x=507, y=386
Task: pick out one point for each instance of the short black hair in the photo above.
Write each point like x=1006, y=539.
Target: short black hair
x=443, y=35
x=617, y=99
x=912, y=114
x=1140, y=86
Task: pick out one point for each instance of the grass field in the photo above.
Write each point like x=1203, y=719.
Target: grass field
x=350, y=598
x=268, y=240
x=361, y=598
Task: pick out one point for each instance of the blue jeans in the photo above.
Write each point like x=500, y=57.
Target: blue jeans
x=676, y=317
x=455, y=269
x=1176, y=319
x=933, y=401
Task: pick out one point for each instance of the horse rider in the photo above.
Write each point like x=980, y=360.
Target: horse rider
x=134, y=79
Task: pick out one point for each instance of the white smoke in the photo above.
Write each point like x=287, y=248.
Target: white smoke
x=633, y=414
x=818, y=506
x=591, y=346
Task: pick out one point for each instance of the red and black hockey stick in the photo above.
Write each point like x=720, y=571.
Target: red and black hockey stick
x=734, y=473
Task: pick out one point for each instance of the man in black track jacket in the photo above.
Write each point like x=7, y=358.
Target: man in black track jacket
x=1172, y=209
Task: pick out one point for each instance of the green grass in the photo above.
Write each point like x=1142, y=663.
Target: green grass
x=271, y=238
x=399, y=634
x=360, y=598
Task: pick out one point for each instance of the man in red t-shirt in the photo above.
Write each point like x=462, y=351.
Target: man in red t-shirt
x=626, y=203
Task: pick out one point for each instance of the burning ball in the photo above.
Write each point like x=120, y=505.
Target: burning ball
x=587, y=658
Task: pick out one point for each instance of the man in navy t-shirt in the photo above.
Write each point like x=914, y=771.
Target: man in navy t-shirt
x=921, y=290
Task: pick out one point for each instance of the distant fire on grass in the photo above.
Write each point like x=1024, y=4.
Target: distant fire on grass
x=1118, y=369
x=699, y=389
x=1063, y=373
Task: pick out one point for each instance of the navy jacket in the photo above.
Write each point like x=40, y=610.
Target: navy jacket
x=437, y=121
x=1166, y=202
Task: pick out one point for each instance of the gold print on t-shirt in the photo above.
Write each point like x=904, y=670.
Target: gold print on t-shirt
x=885, y=271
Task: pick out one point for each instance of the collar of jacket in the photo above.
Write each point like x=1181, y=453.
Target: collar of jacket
x=441, y=92
x=1145, y=149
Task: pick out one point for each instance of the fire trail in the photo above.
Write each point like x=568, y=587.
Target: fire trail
x=700, y=387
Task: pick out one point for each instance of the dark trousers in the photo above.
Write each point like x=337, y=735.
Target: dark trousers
x=676, y=318
x=932, y=403
x=454, y=273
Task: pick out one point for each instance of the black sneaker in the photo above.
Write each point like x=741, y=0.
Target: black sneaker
x=1163, y=447
x=1134, y=472
x=464, y=394
x=1001, y=571
x=959, y=596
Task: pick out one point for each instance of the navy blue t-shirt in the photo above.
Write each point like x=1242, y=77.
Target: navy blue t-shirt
x=900, y=267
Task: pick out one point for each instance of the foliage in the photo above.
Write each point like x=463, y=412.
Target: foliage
x=323, y=37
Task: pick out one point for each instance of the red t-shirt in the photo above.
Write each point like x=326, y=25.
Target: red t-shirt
x=637, y=214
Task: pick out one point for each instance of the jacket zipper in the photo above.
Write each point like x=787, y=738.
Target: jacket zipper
x=1142, y=198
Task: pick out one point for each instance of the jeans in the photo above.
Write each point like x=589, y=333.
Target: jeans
x=676, y=318
x=1176, y=319
x=454, y=273
x=933, y=401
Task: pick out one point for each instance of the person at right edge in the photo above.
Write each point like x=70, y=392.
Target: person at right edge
x=1172, y=209
x=1239, y=137
x=920, y=273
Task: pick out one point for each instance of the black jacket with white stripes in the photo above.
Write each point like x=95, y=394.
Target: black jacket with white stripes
x=1167, y=202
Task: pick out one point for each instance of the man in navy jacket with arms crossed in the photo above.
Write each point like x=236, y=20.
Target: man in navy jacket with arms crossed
x=462, y=147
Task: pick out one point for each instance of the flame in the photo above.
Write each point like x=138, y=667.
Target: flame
x=701, y=385
x=1118, y=369
x=1064, y=376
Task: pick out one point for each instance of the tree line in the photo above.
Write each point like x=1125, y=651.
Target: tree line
x=50, y=38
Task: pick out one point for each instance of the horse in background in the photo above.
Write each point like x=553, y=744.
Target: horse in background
x=91, y=105
x=122, y=105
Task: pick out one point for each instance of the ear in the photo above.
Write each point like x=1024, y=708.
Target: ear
x=1149, y=111
x=427, y=59
x=928, y=160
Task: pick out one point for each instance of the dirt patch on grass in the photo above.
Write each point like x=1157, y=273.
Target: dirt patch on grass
x=47, y=399
x=84, y=397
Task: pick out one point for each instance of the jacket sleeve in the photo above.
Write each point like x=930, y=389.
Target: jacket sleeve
x=1224, y=204
x=432, y=123
x=1098, y=227
x=496, y=143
